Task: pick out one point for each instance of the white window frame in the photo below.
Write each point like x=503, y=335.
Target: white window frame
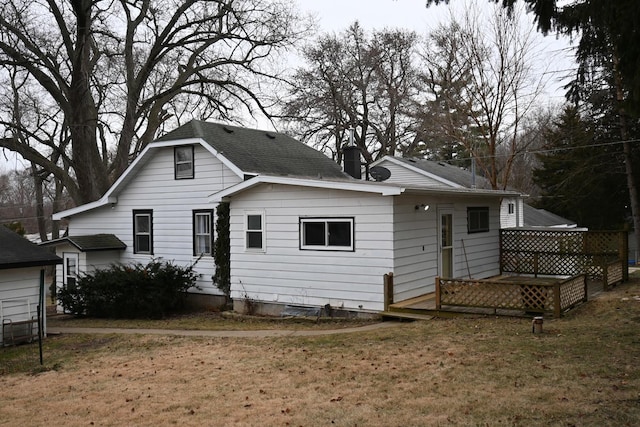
x=207, y=234
x=327, y=221
x=189, y=174
x=261, y=230
x=511, y=208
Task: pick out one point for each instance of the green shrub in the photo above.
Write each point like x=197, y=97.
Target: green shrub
x=130, y=291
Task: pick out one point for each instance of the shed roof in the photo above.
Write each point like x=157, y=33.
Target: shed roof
x=18, y=252
x=93, y=242
x=259, y=152
x=534, y=217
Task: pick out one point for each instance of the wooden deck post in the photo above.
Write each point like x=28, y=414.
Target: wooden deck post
x=557, y=309
x=438, y=305
x=388, y=290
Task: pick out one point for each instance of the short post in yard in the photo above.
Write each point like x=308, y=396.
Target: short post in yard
x=536, y=325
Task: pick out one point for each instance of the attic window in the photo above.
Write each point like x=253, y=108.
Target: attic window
x=183, y=162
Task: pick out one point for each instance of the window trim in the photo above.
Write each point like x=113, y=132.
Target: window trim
x=208, y=213
x=262, y=230
x=475, y=216
x=141, y=212
x=176, y=162
x=511, y=208
x=326, y=220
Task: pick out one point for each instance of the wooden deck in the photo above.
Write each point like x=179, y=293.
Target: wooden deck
x=424, y=306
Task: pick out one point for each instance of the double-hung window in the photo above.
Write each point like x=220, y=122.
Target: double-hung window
x=332, y=234
x=254, y=230
x=477, y=219
x=143, y=231
x=203, y=232
x=183, y=162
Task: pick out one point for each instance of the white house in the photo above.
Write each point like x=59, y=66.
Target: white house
x=159, y=207
x=314, y=242
x=302, y=231
x=22, y=289
x=441, y=174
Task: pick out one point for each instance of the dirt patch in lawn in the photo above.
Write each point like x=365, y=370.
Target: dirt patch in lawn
x=468, y=371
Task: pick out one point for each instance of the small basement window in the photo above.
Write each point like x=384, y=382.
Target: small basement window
x=477, y=219
x=183, y=160
x=333, y=234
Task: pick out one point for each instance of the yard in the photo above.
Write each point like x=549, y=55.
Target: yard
x=583, y=370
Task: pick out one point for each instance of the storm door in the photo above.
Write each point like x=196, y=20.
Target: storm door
x=70, y=269
x=446, y=243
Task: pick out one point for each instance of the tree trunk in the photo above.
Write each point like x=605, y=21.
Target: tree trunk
x=90, y=172
x=626, y=147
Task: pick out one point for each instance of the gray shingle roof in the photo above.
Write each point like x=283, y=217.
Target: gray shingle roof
x=18, y=252
x=449, y=172
x=94, y=242
x=260, y=152
x=541, y=218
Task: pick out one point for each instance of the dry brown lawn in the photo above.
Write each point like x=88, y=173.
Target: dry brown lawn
x=582, y=371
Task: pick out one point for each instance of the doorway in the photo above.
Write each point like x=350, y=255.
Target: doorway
x=445, y=233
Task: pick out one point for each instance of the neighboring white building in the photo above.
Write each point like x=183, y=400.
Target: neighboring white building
x=22, y=287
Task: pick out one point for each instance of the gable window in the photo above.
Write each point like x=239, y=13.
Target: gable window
x=202, y=232
x=143, y=232
x=183, y=161
x=512, y=208
x=333, y=234
x=477, y=219
x=254, y=231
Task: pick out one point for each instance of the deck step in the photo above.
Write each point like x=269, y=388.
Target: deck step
x=409, y=316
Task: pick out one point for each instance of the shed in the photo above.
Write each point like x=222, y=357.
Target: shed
x=22, y=266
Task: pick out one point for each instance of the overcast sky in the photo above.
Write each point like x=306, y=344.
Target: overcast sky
x=336, y=15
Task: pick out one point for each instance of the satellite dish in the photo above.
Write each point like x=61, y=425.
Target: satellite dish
x=379, y=173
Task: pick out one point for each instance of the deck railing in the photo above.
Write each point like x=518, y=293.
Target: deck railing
x=555, y=297
x=565, y=253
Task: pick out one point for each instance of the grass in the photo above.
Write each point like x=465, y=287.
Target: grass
x=209, y=320
x=582, y=371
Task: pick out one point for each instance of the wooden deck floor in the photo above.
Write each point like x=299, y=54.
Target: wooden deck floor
x=424, y=306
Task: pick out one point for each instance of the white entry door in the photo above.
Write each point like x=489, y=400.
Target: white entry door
x=445, y=233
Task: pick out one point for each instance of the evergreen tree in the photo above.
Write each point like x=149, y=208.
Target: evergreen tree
x=582, y=177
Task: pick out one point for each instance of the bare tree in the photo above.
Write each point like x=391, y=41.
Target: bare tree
x=113, y=72
x=357, y=81
x=480, y=80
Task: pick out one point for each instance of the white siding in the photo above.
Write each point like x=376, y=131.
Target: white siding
x=515, y=219
x=19, y=294
x=403, y=175
x=477, y=254
x=285, y=274
x=416, y=244
x=415, y=249
x=172, y=202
